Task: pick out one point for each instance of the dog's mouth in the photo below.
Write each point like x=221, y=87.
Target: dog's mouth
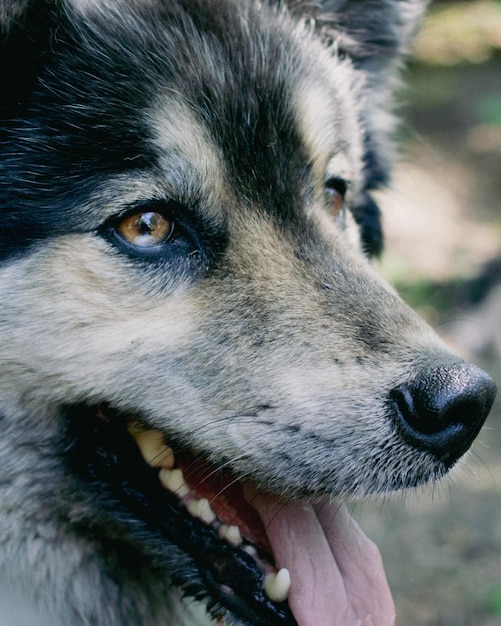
x=246, y=553
x=218, y=500
x=214, y=542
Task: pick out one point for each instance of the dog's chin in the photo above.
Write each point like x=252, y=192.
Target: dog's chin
x=198, y=520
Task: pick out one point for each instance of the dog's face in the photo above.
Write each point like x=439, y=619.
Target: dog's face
x=186, y=226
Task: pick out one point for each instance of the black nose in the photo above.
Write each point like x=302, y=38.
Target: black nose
x=443, y=411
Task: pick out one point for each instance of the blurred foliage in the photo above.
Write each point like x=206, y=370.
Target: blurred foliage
x=455, y=81
x=495, y=602
x=490, y=109
x=435, y=301
x=454, y=148
x=457, y=32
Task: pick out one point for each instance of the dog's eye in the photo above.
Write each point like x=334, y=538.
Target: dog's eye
x=154, y=232
x=145, y=229
x=335, y=191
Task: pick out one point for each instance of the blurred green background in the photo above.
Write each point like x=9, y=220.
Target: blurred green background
x=442, y=547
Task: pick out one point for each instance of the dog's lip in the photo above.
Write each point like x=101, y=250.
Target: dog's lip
x=194, y=481
x=293, y=530
x=212, y=494
x=216, y=498
x=234, y=580
x=226, y=496
x=312, y=543
x=232, y=503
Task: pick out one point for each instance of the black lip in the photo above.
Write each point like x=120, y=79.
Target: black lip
x=105, y=457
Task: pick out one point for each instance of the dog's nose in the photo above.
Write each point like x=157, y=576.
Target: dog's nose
x=443, y=411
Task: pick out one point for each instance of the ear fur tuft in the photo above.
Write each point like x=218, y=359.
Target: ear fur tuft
x=375, y=35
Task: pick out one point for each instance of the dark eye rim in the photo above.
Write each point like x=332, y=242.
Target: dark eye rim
x=183, y=238
x=335, y=183
x=335, y=190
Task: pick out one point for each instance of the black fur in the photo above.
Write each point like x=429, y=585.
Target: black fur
x=79, y=85
x=72, y=114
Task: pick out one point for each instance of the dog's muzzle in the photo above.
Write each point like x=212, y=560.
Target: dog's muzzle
x=443, y=411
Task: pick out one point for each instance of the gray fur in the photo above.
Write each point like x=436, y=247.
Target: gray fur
x=247, y=351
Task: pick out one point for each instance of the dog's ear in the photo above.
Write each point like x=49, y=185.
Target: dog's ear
x=375, y=35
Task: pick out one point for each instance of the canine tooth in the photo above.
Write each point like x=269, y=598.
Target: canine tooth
x=231, y=534
x=167, y=460
x=201, y=510
x=173, y=480
x=276, y=586
x=153, y=448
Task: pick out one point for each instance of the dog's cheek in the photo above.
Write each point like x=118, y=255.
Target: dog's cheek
x=74, y=316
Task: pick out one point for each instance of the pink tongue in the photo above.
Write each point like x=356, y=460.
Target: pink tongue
x=337, y=578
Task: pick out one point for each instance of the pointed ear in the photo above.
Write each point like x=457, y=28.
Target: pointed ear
x=373, y=33
x=376, y=35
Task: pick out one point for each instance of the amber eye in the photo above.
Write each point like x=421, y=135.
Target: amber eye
x=335, y=190
x=145, y=229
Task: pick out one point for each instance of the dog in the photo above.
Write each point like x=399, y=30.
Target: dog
x=195, y=343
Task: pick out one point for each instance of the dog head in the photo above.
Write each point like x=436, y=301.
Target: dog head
x=185, y=241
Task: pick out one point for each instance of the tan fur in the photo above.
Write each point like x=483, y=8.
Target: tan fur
x=258, y=338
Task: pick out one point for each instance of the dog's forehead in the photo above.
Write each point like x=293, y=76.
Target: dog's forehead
x=265, y=112
x=208, y=99
x=329, y=122
x=249, y=77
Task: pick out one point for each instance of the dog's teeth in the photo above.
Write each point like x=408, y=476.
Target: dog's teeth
x=276, y=586
x=173, y=481
x=231, y=534
x=201, y=510
x=153, y=449
x=167, y=460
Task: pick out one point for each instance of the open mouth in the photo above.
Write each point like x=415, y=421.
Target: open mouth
x=218, y=500
x=250, y=555
x=197, y=508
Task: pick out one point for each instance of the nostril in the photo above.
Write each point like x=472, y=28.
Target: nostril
x=443, y=411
